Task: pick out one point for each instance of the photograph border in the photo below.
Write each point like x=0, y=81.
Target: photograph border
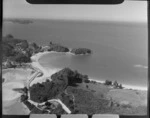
x=90, y=116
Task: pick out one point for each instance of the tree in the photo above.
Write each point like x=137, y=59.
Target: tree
x=24, y=98
x=41, y=92
x=87, y=81
x=22, y=58
x=29, y=52
x=34, y=45
x=34, y=48
x=9, y=64
x=120, y=86
x=25, y=90
x=48, y=103
x=115, y=84
x=108, y=82
x=24, y=44
x=7, y=49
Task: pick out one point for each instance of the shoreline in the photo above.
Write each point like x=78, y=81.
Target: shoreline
x=37, y=66
x=126, y=86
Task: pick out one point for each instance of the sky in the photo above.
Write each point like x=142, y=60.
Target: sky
x=129, y=11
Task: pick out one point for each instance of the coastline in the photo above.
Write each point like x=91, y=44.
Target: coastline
x=37, y=66
x=126, y=86
x=46, y=74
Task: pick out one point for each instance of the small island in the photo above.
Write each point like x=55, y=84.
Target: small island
x=81, y=51
x=19, y=21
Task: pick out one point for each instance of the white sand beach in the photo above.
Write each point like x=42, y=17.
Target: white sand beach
x=124, y=85
x=47, y=72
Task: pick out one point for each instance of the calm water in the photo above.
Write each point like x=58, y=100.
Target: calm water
x=117, y=47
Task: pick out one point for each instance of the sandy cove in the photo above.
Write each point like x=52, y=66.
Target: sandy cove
x=37, y=66
x=35, y=63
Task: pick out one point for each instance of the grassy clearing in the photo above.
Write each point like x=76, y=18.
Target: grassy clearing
x=96, y=98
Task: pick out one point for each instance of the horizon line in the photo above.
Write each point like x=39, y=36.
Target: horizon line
x=82, y=20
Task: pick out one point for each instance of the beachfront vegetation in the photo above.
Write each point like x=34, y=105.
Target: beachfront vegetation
x=120, y=86
x=33, y=49
x=68, y=86
x=78, y=51
x=23, y=98
x=70, y=77
x=21, y=58
x=80, y=97
x=17, y=51
x=108, y=82
x=10, y=41
x=115, y=84
x=57, y=48
x=11, y=47
x=41, y=92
